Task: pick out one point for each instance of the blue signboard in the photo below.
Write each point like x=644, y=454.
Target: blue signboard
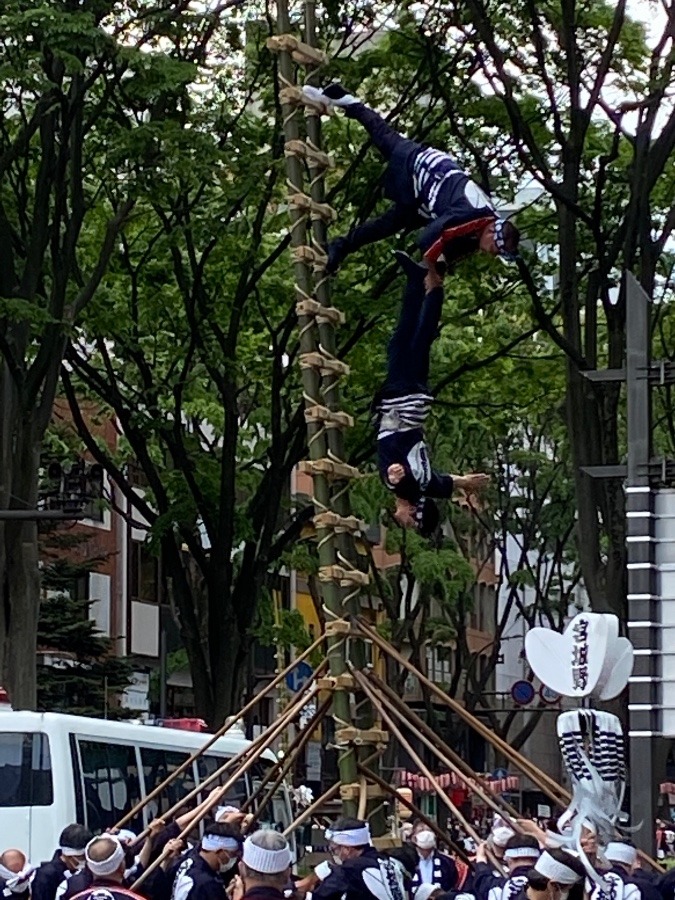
x=299, y=676
x=522, y=693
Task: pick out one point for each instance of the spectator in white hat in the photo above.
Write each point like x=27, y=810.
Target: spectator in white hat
x=433, y=867
x=16, y=873
x=69, y=858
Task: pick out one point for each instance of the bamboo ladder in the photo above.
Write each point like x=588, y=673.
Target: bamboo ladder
x=357, y=734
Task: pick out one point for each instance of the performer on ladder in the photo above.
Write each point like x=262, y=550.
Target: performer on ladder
x=428, y=187
x=403, y=404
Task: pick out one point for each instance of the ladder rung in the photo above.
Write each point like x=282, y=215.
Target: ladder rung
x=292, y=95
x=301, y=52
x=331, y=418
x=304, y=203
x=315, y=258
x=344, y=577
x=329, y=468
x=310, y=307
x=326, y=365
x=315, y=158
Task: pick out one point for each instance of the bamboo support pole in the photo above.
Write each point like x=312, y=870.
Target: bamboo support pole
x=417, y=759
x=293, y=753
x=546, y=784
x=252, y=754
x=253, y=749
x=447, y=755
x=156, y=791
x=416, y=811
x=328, y=795
x=333, y=594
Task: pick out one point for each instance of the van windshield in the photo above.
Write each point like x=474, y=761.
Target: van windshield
x=25, y=769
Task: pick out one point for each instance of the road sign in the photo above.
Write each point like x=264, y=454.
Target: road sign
x=548, y=695
x=522, y=693
x=299, y=677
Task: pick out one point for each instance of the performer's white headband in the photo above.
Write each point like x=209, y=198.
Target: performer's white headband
x=268, y=862
x=352, y=837
x=71, y=851
x=521, y=853
x=17, y=882
x=105, y=866
x=621, y=853
x=225, y=810
x=556, y=871
x=214, y=842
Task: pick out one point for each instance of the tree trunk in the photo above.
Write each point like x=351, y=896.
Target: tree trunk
x=19, y=568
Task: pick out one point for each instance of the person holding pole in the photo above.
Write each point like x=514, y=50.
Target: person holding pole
x=359, y=871
x=203, y=874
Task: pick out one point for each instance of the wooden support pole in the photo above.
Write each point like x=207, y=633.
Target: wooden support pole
x=446, y=754
x=415, y=810
x=417, y=759
x=284, y=765
x=546, y=784
x=251, y=754
x=155, y=792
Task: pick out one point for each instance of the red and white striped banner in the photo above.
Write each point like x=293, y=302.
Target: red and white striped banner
x=451, y=780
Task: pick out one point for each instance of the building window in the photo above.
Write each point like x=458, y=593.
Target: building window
x=143, y=574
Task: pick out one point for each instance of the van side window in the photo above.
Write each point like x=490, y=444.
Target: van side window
x=111, y=786
x=236, y=794
x=157, y=764
x=25, y=770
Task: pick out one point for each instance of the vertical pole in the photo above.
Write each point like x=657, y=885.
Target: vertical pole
x=332, y=594
x=365, y=716
x=643, y=696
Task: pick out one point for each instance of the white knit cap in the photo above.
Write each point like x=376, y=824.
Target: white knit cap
x=424, y=891
x=556, y=871
x=619, y=852
x=501, y=835
x=267, y=862
x=106, y=866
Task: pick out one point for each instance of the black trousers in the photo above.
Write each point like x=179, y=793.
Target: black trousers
x=398, y=217
x=409, y=350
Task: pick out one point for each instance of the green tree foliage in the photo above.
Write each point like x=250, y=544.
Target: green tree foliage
x=83, y=87
x=84, y=676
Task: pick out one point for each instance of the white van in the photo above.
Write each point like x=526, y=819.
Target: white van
x=57, y=769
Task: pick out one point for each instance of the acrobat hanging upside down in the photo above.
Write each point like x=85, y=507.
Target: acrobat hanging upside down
x=403, y=403
x=428, y=188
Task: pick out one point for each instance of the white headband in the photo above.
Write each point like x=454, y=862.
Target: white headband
x=521, y=853
x=501, y=835
x=224, y=810
x=105, y=866
x=621, y=853
x=267, y=862
x=219, y=842
x=556, y=871
x=352, y=837
x=71, y=851
x=17, y=882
